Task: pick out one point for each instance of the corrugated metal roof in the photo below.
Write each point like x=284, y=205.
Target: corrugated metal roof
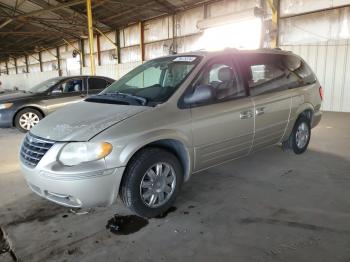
x=48, y=29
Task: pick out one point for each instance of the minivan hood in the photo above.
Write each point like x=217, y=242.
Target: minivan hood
x=83, y=120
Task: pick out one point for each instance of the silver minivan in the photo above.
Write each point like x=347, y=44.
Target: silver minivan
x=145, y=134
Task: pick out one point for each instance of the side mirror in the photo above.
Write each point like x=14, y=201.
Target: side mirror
x=56, y=92
x=201, y=94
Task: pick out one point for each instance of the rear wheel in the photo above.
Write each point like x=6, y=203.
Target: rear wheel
x=300, y=137
x=27, y=118
x=152, y=182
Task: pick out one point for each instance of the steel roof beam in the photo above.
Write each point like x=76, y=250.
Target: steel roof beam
x=41, y=11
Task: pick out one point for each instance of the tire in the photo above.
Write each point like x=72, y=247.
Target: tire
x=32, y=116
x=300, y=136
x=142, y=179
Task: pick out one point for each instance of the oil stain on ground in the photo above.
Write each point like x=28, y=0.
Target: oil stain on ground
x=40, y=214
x=4, y=246
x=270, y=221
x=129, y=224
x=125, y=225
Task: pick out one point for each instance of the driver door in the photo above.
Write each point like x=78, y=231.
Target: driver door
x=222, y=129
x=67, y=92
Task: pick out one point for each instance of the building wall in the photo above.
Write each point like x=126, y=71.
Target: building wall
x=177, y=32
x=322, y=39
x=331, y=64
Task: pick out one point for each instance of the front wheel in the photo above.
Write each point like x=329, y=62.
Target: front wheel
x=152, y=182
x=27, y=118
x=300, y=137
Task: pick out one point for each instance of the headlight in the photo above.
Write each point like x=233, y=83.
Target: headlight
x=78, y=152
x=5, y=105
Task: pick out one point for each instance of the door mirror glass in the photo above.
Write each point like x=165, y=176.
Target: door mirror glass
x=201, y=94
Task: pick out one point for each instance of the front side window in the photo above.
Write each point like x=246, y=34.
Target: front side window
x=70, y=86
x=222, y=77
x=154, y=81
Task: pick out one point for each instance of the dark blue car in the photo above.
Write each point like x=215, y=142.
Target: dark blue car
x=24, y=109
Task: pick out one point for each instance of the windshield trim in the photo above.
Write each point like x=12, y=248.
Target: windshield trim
x=151, y=102
x=59, y=80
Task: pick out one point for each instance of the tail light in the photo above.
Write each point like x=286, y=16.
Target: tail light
x=321, y=92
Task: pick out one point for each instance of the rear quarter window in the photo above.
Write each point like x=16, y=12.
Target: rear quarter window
x=300, y=68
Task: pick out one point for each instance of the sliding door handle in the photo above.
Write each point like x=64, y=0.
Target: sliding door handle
x=259, y=111
x=246, y=114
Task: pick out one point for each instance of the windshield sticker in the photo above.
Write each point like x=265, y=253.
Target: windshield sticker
x=185, y=59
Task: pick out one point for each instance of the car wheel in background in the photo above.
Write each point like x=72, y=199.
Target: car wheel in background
x=152, y=181
x=300, y=137
x=27, y=118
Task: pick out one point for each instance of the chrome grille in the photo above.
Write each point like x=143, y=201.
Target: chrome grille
x=33, y=149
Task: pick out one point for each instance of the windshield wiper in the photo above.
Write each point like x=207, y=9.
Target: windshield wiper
x=140, y=99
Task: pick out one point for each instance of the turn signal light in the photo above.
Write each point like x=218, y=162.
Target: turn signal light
x=321, y=92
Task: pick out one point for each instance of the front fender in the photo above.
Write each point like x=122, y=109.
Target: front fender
x=151, y=137
x=123, y=154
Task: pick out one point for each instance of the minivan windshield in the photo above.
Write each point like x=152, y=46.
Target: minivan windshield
x=154, y=81
x=44, y=86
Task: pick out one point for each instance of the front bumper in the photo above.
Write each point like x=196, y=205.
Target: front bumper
x=86, y=185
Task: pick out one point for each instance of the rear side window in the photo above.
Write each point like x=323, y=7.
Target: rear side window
x=98, y=83
x=267, y=73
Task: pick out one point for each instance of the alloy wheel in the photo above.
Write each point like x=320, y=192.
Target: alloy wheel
x=28, y=120
x=158, y=184
x=302, y=135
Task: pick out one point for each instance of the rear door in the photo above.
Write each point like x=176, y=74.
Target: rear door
x=66, y=92
x=96, y=85
x=223, y=128
x=269, y=84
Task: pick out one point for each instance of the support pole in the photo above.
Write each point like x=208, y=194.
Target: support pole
x=7, y=67
x=274, y=5
x=40, y=62
x=98, y=50
x=117, y=40
x=16, y=68
x=142, y=45
x=91, y=37
x=82, y=55
x=27, y=64
x=58, y=61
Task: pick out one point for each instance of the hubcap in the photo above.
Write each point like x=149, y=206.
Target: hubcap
x=28, y=120
x=302, y=135
x=158, y=184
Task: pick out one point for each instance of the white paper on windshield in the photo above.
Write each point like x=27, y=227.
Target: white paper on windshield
x=185, y=59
